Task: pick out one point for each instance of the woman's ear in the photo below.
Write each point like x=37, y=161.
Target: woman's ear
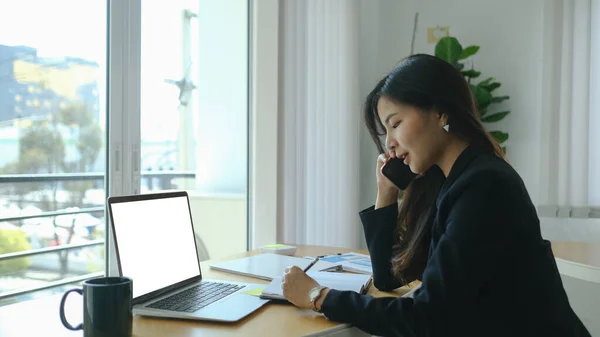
x=443, y=118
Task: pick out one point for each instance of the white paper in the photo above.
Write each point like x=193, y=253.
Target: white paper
x=337, y=281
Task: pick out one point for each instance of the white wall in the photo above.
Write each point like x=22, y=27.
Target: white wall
x=510, y=35
x=571, y=229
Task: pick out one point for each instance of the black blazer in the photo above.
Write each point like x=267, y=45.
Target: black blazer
x=489, y=271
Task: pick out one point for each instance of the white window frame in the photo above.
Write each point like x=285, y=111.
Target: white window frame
x=124, y=135
x=124, y=87
x=263, y=126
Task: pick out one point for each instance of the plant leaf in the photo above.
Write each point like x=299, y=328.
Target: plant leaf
x=491, y=87
x=482, y=112
x=459, y=66
x=499, y=99
x=469, y=51
x=448, y=49
x=486, y=82
x=499, y=136
x=483, y=98
x=471, y=73
x=495, y=117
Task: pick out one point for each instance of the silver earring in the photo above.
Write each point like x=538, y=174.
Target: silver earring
x=446, y=127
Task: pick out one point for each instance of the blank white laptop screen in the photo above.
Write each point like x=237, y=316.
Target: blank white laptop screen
x=156, y=242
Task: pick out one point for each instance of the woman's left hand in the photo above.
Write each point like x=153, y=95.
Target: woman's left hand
x=296, y=286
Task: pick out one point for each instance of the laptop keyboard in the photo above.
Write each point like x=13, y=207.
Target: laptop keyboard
x=197, y=297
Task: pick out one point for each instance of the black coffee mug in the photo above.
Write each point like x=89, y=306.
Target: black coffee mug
x=106, y=307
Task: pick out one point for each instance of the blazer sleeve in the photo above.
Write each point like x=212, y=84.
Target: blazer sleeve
x=379, y=226
x=464, y=255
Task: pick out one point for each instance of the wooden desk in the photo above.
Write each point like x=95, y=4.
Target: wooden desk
x=578, y=260
x=40, y=317
x=579, y=252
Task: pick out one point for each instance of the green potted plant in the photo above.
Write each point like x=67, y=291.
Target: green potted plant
x=449, y=49
x=11, y=241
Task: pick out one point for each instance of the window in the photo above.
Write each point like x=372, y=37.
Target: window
x=194, y=108
x=184, y=115
x=168, y=94
x=52, y=166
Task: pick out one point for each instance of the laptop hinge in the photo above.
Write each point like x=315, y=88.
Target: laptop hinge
x=160, y=292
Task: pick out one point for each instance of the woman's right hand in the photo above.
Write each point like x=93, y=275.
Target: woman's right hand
x=387, y=192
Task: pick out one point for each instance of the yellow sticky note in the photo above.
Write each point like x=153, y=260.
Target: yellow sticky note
x=253, y=292
x=274, y=246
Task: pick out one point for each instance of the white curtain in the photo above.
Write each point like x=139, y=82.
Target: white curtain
x=319, y=123
x=570, y=165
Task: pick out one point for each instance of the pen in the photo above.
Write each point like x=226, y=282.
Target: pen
x=322, y=256
x=311, y=264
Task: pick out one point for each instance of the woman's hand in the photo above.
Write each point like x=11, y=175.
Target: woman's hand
x=387, y=192
x=296, y=286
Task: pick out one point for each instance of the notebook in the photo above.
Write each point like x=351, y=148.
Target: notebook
x=351, y=262
x=269, y=266
x=359, y=283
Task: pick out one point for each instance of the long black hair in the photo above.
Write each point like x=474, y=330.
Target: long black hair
x=431, y=85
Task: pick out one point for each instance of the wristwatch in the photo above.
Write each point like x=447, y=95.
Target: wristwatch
x=313, y=296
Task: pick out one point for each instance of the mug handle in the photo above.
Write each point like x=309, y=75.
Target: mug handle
x=63, y=319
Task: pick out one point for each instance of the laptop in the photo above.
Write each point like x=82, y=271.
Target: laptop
x=156, y=248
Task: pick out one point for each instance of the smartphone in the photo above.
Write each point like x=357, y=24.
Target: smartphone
x=398, y=173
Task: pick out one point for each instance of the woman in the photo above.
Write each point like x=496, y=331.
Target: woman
x=466, y=226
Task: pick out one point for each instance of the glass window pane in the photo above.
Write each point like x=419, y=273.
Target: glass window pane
x=52, y=140
x=194, y=113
